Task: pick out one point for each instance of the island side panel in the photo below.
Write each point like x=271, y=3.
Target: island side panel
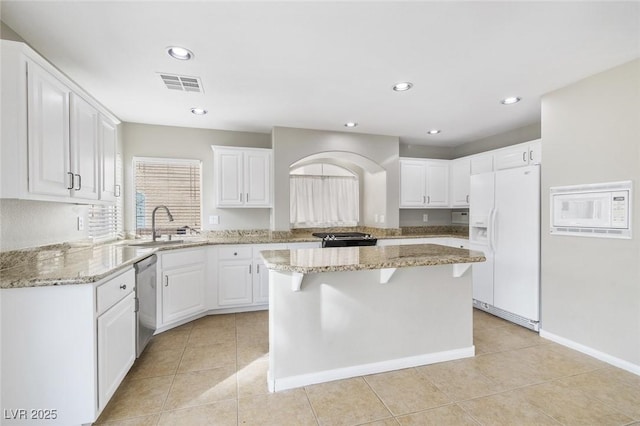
x=343, y=324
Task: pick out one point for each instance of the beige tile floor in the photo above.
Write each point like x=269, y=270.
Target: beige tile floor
x=213, y=372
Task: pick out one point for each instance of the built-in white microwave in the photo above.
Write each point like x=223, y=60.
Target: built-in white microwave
x=592, y=210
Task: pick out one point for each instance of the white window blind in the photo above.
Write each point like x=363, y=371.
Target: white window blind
x=173, y=183
x=105, y=221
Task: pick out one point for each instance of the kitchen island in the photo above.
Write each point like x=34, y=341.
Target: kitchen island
x=342, y=312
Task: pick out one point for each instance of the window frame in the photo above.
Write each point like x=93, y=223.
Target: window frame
x=132, y=192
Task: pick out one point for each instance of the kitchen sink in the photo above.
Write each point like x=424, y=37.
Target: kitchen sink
x=155, y=243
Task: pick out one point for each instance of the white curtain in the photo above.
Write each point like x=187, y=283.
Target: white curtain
x=322, y=201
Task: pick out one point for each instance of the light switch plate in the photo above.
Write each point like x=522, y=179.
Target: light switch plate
x=425, y=217
x=80, y=223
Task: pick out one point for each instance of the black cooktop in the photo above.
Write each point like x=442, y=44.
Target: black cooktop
x=339, y=235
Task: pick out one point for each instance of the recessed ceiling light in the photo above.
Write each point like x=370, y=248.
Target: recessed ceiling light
x=351, y=124
x=401, y=87
x=511, y=100
x=180, y=53
x=199, y=111
x=433, y=131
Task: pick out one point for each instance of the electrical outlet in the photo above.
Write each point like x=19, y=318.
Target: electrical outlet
x=425, y=217
x=381, y=218
x=80, y=223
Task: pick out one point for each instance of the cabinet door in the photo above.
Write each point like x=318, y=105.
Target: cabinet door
x=84, y=148
x=460, y=175
x=535, y=152
x=108, y=144
x=257, y=178
x=482, y=164
x=260, y=282
x=230, y=187
x=516, y=156
x=48, y=134
x=412, y=183
x=234, y=283
x=182, y=292
x=116, y=347
x=438, y=184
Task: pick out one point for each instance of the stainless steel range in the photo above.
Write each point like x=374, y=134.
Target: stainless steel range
x=345, y=239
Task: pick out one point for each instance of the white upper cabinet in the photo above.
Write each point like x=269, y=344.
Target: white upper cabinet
x=84, y=149
x=413, y=181
x=460, y=178
x=481, y=163
x=48, y=132
x=51, y=136
x=243, y=177
x=519, y=155
x=108, y=137
x=424, y=183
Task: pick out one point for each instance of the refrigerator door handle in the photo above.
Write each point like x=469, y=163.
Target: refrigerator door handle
x=492, y=229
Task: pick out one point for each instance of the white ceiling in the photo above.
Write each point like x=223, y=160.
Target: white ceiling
x=319, y=64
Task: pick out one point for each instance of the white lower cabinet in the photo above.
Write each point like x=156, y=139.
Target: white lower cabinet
x=242, y=277
x=116, y=347
x=234, y=282
x=183, y=279
x=66, y=348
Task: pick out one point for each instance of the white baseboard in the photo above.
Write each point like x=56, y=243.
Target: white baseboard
x=365, y=369
x=609, y=359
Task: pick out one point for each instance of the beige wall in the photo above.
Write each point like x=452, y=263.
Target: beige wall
x=291, y=145
x=6, y=33
x=147, y=140
x=591, y=286
x=521, y=134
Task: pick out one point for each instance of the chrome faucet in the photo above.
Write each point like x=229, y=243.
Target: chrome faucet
x=153, y=220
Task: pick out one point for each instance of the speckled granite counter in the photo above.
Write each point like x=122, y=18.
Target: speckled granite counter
x=307, y=261
x=71, y=265
x=79, y=263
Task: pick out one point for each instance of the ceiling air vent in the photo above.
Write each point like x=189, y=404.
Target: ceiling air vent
x=182, y=83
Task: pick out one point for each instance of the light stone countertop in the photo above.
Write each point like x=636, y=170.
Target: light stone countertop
x=307, y=261
x=67, y=264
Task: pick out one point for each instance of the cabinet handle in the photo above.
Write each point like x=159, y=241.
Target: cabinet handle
x=258, y=268
x=72, y=183
x=428, y=199
x=249, y=269
x=241, y=194
x=524, y=156
x=531, y=155
x=79, y=182
x=424, y=200
x=467, y=199
x=247, y=198
x=123, y=287
x=166, y=280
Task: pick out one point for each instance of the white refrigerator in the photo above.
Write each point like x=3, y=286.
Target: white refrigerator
x=504, y=223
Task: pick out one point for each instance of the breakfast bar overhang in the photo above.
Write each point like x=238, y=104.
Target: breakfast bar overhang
x=343, y=312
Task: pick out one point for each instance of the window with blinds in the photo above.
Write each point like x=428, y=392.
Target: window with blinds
x=173, y=183
x=105, y=221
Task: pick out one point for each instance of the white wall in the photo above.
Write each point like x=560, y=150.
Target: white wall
x=291, y=145
x=147, y=140
x=591, y=286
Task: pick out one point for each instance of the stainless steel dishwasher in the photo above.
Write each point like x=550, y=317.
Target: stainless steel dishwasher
x=145, y=301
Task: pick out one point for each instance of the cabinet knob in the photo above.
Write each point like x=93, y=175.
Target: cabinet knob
x=235, y=253
x=123, y=287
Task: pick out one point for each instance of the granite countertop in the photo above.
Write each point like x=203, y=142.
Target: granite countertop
x=71, y=265
x=81, y=263
x=307, y=261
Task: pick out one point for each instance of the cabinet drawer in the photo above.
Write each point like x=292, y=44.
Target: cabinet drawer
x=182, y=258
x=114, y=290
x=235, y=252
